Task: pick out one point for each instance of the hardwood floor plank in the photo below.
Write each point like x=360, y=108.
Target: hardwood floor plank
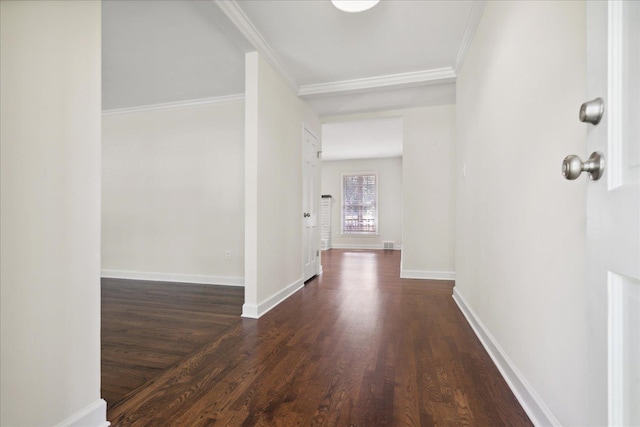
x=147, y=327
x=357, y=346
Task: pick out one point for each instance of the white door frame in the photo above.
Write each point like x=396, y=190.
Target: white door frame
x=310, y=248
x=613, y=218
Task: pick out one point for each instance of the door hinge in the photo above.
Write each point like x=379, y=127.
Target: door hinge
x=319, y=154
x=317, y=253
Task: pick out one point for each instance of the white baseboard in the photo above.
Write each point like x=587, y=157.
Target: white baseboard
x=170, y=277
x=533, y=405
x=428, y=275
x=94, y=415
x=362, y=247
x=256, y=311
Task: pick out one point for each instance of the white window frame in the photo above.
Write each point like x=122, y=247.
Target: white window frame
x=342, y=205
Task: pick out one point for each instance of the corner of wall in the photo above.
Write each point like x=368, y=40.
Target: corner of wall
x=255, y=311
x=94, y=415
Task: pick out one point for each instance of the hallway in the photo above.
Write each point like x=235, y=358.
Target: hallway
x=357, y=346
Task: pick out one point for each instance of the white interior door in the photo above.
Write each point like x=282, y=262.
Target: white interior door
x=613, y=214
x=310, y=204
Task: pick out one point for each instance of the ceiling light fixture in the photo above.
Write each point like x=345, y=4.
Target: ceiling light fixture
x=354, y=5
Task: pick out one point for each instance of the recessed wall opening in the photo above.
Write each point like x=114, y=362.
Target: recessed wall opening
x=362, y=172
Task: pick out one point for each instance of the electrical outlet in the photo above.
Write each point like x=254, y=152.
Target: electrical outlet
x=227, y=255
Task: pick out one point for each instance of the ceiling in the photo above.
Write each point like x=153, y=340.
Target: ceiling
x=400, y=54
x=156, y=52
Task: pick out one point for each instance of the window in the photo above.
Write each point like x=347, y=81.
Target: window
x=359, y=204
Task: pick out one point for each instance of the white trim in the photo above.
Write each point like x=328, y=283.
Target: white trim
x=615, y=351
x=218, y=100
x=416, y=78
x=242, y=22
x=250, y=311
x=256, y=311
x=174, y=277
x=533, y=405
x=470, y=30
x=316, y=181
x=427, y=275
x=94, y=415
x=615, y=77
x=377, y=246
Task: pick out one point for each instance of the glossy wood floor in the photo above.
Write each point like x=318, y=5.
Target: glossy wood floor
x=356, y=347
x=149, y=326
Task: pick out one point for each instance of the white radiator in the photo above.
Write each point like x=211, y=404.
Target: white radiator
x=325, y=223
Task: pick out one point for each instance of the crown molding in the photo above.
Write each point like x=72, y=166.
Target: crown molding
x=470, y=30
x=416, y=78
x=218, y=100
x=242, y=22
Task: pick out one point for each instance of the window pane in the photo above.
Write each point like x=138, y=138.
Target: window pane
x=359, y=204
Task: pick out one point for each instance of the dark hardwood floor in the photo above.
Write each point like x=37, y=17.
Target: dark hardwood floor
x=358, y=346
x=149, y=326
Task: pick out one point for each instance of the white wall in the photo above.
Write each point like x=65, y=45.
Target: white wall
x=389, y=171
x=50, y=213
x=521, y=227
x=429, y=193
x=428, y=188
x=274, y=118
x=173, y=194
